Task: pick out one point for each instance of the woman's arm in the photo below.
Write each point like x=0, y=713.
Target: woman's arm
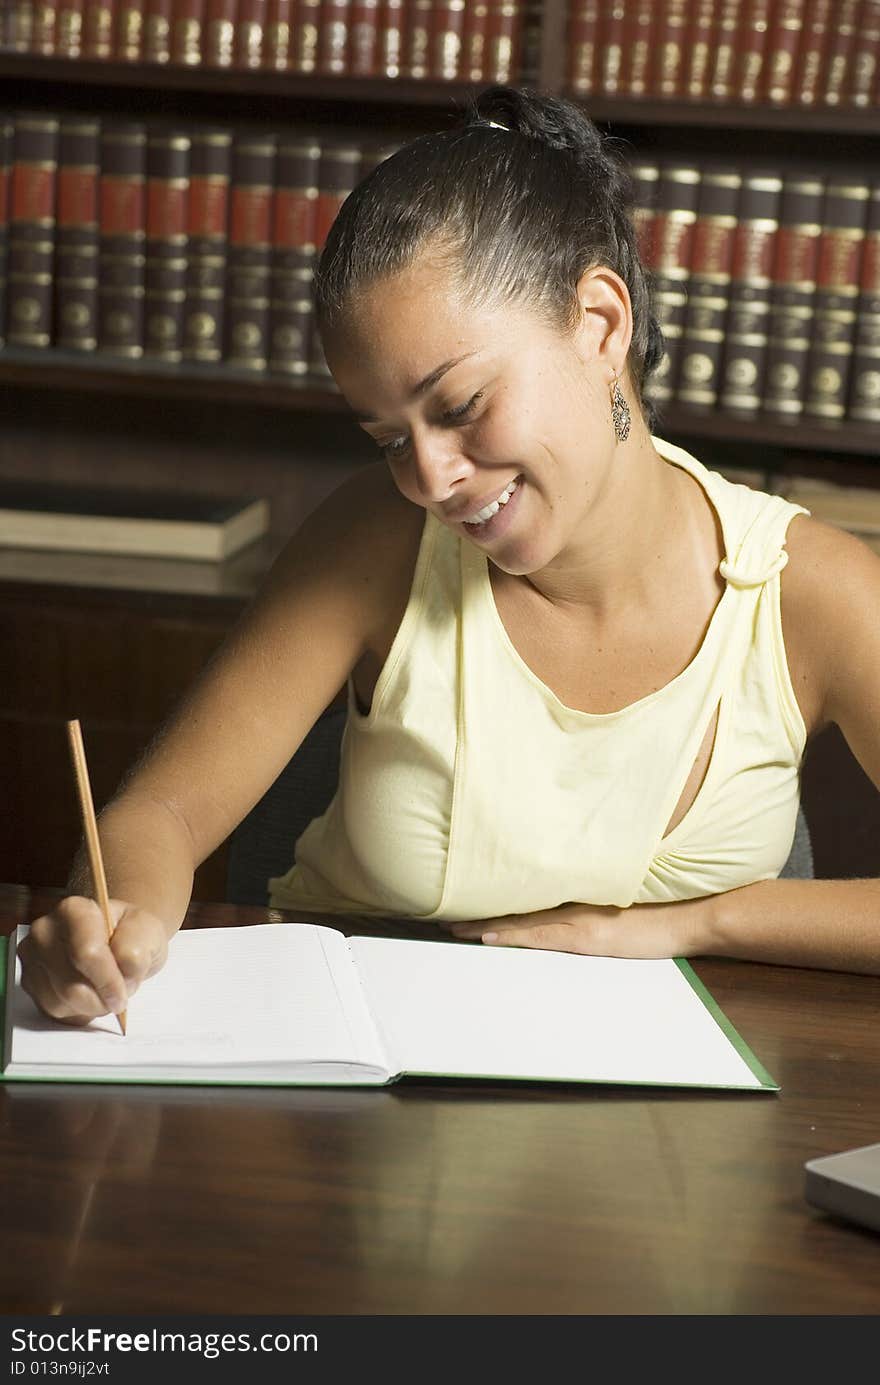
x=326, y=599
x=831, y=621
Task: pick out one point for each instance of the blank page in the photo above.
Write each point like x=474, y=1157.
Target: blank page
x=479, y=1011
x=227, y=998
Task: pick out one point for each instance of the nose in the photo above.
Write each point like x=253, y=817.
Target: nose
x=438, y=465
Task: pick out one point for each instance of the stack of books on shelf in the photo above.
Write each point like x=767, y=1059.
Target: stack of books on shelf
x=797, y=53
x=195, y=246
x=766, y=285
x=149, y=524
x=445, y=40
x=854, y=508
x=141, y=241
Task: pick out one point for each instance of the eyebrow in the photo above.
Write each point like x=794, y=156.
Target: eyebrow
x=423, y=385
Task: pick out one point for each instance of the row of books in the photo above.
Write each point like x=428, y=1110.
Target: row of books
x=808, y=53
x=140, y=239
x=766, y=285
x=476, y=40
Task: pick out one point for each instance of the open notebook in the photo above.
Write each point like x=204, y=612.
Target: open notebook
x=303, y=1004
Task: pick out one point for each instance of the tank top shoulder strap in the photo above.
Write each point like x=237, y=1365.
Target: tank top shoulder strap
x=753, y=523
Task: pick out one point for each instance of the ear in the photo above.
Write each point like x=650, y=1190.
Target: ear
x=605, y=328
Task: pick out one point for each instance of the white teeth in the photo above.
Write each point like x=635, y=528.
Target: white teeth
x=492, y=509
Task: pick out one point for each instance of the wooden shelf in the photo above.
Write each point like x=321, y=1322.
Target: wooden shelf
x=407, y=92
x=156, y=77
x=726, y=115
x=70, y=370
x=59, y=370
x=809, y=435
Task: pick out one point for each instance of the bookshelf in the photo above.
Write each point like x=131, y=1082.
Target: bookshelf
x=89, y=414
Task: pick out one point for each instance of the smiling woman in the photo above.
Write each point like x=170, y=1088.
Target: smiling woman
x=582, y=667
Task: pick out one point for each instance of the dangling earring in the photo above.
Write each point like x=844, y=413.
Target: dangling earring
x=620, y=414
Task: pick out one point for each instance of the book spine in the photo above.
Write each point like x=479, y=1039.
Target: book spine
x=19, y=32
x=363, y=38
x=32, y=231
x=709, y=287
x=77, y=237
x=698, y=50
x=250, y=33
x=746, y=331
x=748, y=72
x=279, y=28
x=305, y=36
x=725, y=38
x=207, y=242
x=7, y=136
x=672, y=248
x=294, y=251
x=646, y=177
x=582, y=45
x=837, y=292
x=188, y=32
x=612, y=29
x=818, y=17
x=866, y=50
x=218, y=40
x=332, y=53
x=417, y=39
x=392, y=31
x=98, y=25
x=792, y=296
x=69, y=28
x=667, y=79
x=338, y=172
x=842, y=38
x=783, y=43
x=44, y=36
x=249, y=266
x=865, y=396
x=157, y=30
x=445, y=59
x=122, y=219
x=128, y=44
x=166, y=256
x=635, y=77
x=503, y=39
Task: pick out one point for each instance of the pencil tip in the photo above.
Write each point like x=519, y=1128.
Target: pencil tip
x=122, y=1021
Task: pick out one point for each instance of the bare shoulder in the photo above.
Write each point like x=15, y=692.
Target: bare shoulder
x=830, y=594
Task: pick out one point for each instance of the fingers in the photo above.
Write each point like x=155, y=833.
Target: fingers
x=71, y=970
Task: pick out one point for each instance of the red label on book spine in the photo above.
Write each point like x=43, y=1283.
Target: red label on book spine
x=294, y=219
x=251, y=219
x=208, y=203
x=840, y=256
x=166, y=209
x=33, y=193
x=77, y=196
x=122, y=206
x=797, y=255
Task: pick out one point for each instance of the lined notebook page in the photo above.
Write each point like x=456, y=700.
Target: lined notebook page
x=473, y=1011
x=227, y=997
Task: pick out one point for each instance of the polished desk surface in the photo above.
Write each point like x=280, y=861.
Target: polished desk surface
x=440, y=1198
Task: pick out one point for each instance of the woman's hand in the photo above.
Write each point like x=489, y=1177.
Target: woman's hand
x=601, y=930
x=73, y=973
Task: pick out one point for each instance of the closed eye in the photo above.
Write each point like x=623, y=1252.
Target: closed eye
x=397, y=446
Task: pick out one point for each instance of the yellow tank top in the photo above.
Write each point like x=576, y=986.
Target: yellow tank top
x=470, y=790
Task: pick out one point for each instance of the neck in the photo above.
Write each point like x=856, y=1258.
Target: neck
x=642, y=519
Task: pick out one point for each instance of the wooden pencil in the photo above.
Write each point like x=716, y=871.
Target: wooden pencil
x=90, y=827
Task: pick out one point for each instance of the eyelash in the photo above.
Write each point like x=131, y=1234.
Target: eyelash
x=451, y=416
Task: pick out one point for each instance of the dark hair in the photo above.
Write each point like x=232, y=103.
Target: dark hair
x=518, y=212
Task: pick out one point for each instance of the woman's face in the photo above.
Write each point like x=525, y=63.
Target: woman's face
x=488, y=417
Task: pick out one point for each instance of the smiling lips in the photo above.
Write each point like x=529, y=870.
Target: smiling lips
x=486, y=513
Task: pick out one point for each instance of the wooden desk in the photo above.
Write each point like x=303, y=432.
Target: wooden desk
x=444, y=1199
